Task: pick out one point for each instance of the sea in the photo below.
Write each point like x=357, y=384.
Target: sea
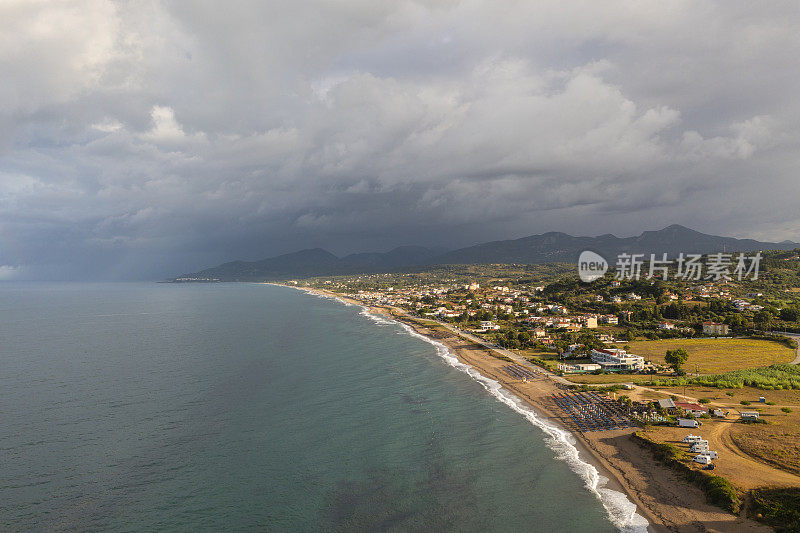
x=254, y=407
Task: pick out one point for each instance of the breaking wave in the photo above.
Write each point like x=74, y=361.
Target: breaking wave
x=621, y=511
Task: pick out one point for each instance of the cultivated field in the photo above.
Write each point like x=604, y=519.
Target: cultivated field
x=715, y=356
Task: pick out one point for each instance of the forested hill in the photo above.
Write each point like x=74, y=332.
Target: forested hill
x=544, y=248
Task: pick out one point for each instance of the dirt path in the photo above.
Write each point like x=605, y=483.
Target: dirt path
x=742, y=469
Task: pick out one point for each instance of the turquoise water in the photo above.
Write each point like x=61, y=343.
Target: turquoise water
x=131, y=407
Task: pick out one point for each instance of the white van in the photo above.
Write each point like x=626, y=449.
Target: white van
x=702, y=459
x=687, y=423
x=692, y=438
x=712, y=454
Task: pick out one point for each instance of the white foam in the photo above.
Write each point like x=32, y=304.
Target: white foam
x=319, y=295
x=621, y=511
x=381, y=321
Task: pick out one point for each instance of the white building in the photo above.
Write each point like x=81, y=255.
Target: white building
x=578, y=368
x=617, y=359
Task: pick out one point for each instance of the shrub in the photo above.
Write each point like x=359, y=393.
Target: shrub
x=786, y=410
x=744, y=402
x=774, y=377
x=780, y=508
x=704, y=400
x=770, y=403
x=729, y=394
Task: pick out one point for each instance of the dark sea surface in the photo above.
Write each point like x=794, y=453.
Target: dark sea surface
x=248, y=407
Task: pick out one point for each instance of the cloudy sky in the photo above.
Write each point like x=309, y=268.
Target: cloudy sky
x=140, y=140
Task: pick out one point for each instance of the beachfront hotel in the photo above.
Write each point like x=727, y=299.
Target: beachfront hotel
x=617, y=359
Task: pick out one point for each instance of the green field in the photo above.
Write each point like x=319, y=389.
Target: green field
x=714, y=356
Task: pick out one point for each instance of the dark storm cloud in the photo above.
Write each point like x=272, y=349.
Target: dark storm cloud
x=144, y=139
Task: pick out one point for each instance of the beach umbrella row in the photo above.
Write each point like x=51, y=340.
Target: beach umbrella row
x=591, y=412
x=519, y=371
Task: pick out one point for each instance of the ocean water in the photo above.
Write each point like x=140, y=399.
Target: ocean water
x=241, y=407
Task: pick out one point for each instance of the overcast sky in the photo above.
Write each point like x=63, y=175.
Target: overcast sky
x=140, y=140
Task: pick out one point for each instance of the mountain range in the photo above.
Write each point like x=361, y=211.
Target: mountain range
x=549, y=247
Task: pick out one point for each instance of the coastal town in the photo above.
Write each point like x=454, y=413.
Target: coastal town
x=702, y=374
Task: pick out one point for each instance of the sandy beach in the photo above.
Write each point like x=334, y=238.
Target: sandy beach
x=666, y=501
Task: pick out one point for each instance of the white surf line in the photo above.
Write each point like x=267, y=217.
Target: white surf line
x=621, y=511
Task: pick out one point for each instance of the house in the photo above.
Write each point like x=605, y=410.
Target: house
x=749, y=415
x=488, y=324
x=616, y=299
x=611, y=319
x=571, y=349
x=693, y=408
x=589, y=322
x=633, y=296
x=616, y=359
x=538, y=333
x=715, y=328
x=666, y=325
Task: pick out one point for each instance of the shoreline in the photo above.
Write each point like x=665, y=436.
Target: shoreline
x=658, y=495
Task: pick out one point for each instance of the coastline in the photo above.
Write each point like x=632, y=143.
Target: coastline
x=656, y=499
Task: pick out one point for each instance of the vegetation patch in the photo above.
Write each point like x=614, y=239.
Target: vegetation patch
x=774, y=377
x=779, y=508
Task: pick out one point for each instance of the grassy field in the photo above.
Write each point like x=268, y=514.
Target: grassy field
x=714, y=356
x=778, y=441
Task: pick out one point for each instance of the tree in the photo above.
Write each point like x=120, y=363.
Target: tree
x=763, y=319
x=790, y=314
x=676, y=358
